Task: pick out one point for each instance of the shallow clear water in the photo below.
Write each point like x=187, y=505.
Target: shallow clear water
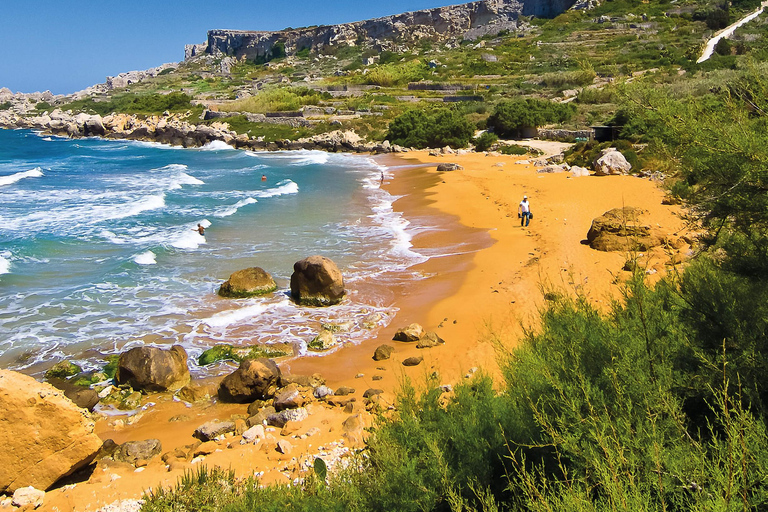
x=98, y=247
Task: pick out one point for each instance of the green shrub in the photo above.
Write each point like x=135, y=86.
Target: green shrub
x=130, y=103
x=514, y=149
x=510, y=118
x=430, y=129
x=485, y=141
x=166, y=71
x=6, y=105
x=278, y=99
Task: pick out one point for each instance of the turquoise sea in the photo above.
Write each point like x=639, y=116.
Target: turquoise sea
x=99, y=252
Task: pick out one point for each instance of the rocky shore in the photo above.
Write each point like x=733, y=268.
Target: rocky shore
x=176, y=130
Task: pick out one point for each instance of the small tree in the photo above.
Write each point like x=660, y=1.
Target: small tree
x=430, y=129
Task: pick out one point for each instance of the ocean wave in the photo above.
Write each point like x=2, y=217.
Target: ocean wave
x=37, y=172
x=217, y=145
x=5, y=262
x=283, y=188
x=154, y=202
x=145, y=258
x=298, y=158
x=231, y=210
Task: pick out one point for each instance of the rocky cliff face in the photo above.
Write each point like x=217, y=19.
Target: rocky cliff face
x=465, y=21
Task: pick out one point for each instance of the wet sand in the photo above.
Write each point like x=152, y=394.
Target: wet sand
x=476, y=298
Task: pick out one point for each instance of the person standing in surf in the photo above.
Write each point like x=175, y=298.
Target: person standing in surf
x=200, y=229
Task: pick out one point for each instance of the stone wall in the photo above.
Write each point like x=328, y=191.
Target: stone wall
x=439, y=24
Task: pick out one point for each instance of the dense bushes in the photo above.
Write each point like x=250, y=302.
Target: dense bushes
x=134, y=104
x=485, y=141
x=511, y=118
x=430, y=129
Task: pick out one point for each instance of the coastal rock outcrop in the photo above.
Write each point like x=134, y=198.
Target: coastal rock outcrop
x=256, y=379
x=153, y=369
x=622, y=229
x=45, y=435
x=611, y=162
x=317, y=281
x=248, y=282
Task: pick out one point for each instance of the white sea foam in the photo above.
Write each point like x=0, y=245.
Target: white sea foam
x=5, y=262
x=145, y=258
x=283, y=188
x=302, y=157
x=216, y=145
x=224, y=319
x=47, y=139
x=231, y=210
x=13, y=178
x=189, y=238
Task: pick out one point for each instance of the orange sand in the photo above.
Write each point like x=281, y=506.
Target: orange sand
x=492, y=282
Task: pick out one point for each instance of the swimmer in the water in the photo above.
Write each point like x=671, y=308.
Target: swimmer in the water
x=263, y=177
x=200, y=229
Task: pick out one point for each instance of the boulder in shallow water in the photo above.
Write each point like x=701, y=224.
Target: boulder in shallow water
x=153, y=369
x=45, y=436
x=256, y=379
x=323, y=341
x=248, y=283
x=317, y=281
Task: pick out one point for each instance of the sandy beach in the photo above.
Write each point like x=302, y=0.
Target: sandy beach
x=487, y=288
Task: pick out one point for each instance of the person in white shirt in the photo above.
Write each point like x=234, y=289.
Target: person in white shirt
x=524, y=211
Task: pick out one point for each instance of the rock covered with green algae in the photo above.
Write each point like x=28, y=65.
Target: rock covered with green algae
x=249, y=282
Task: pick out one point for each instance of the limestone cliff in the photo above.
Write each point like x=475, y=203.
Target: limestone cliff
x=465, y=21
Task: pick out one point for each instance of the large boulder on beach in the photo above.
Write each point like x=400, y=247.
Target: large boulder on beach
x=248, y=282
x=622, y=229
x=45, y=436
x=413, y=332
x=317, y=281
x=153, y=369
x=256, y=379
x=611, y=162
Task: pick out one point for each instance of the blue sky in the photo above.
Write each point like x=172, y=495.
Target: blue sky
x=65, y=46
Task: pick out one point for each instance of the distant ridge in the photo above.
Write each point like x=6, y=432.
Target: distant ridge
x=455, y=22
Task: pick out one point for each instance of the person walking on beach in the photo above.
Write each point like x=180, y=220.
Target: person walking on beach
x=524, y=212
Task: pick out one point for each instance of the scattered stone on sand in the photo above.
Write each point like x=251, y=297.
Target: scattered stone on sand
x=622, y=229
x=45, y=435
x=317, y=281
x=411, y=333
x=196, y=392
x=430, y=339
x=371, y=392
x=261, y=416
x=153, y=369
x=254, y=434
x=281, y=418
x=446, y=388
x=413, y=361
x=444, y=167
x=212, y=429
x=578, y=171
x=377, y=377
x=344, y=391
x=611, y=162
x=288, y=398
x=307, y=381
x=28, y=497
x=248, y=282
x=321, y=392
x=133, y=451
x=323, y=341
x=206, y=448
x=254, y=379
x=383, y=352
x=284, y=447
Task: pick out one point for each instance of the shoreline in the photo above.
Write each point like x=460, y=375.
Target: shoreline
x=481, y=293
